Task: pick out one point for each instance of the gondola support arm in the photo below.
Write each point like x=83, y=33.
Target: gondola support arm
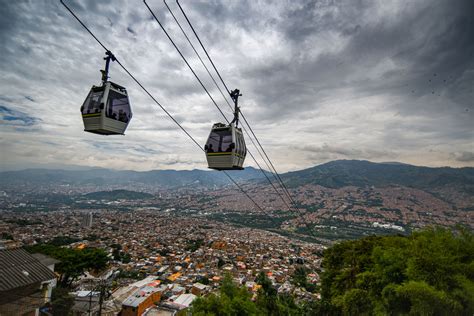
x=105, y=72
x=235, y=94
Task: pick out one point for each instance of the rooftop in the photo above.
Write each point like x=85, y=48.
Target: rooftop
x=185, y=299
x=44, y=259
x=140, y=296
x=19, y=268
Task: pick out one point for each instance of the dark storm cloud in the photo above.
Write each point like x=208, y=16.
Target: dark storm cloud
x=8, y=21
x=343, y=152
x=430, y=46
x=465, y=156
x=316, y=16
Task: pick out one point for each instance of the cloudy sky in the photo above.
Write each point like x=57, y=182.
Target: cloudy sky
x=321, y=80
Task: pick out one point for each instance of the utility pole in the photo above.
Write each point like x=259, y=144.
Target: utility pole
x=90, y=297
x=102, y=291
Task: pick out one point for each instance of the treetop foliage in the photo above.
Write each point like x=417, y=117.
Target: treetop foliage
x=430, y=272
x=73, y=262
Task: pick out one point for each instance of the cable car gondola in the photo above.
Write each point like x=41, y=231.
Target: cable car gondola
x=225, y=148
x=106, y=110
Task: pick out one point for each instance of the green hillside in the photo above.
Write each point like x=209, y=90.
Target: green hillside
x=118, y=195
x=359, y=173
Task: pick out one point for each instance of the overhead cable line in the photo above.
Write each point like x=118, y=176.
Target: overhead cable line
x=156, y=101
x=182, y=56
x=226, y=100
x=222, y=80
x=199, y=56
x=207, y=92
x=276, y=172
x=212, y=63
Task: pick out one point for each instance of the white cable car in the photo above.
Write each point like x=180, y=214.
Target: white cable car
x=225, y=148
x=106, y=110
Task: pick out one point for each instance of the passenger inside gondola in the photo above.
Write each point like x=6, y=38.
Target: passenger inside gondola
x=221, y=140
x=92, y=103
x=118, y=107
x=227, y=142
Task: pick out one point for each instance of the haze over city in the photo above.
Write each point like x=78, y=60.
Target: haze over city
x=381, y=81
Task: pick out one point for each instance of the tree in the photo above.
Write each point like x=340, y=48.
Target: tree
x=269, y=302
x=232, y=300
x=6, y=236
x=429, y=272
x=203, y=280
x=116, y=254
x=73, y=262
x=61, y=301
x=354, y=302
x=300, y=276
x=220, y=263
x=126, y=258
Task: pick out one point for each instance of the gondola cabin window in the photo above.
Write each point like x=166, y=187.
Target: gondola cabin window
x=118, y=107
x=219, y=141
x=92, y=103
x=226, y=142
x=240, y=146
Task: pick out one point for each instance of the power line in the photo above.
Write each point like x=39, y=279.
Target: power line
x=153, y=98
x=205, y=89
x=222, y=80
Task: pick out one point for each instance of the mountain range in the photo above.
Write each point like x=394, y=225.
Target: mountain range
x=102, y=177
x=360, y=173
x=334, y=174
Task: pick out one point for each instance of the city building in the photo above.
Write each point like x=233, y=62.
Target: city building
x=199, y=289
x=138, y=302
x=86, y=303
x=87, y=220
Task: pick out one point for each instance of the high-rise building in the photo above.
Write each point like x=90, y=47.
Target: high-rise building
x=87, y=220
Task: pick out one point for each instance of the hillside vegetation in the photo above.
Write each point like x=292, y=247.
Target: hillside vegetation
x=427, y=273
x=359, y=173
x=334, y=174
x=118, y=195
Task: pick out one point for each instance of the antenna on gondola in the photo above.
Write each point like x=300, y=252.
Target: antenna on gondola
x=235, y=94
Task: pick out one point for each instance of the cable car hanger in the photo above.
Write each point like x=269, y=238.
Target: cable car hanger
x=105, y=72
x=235, y=94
